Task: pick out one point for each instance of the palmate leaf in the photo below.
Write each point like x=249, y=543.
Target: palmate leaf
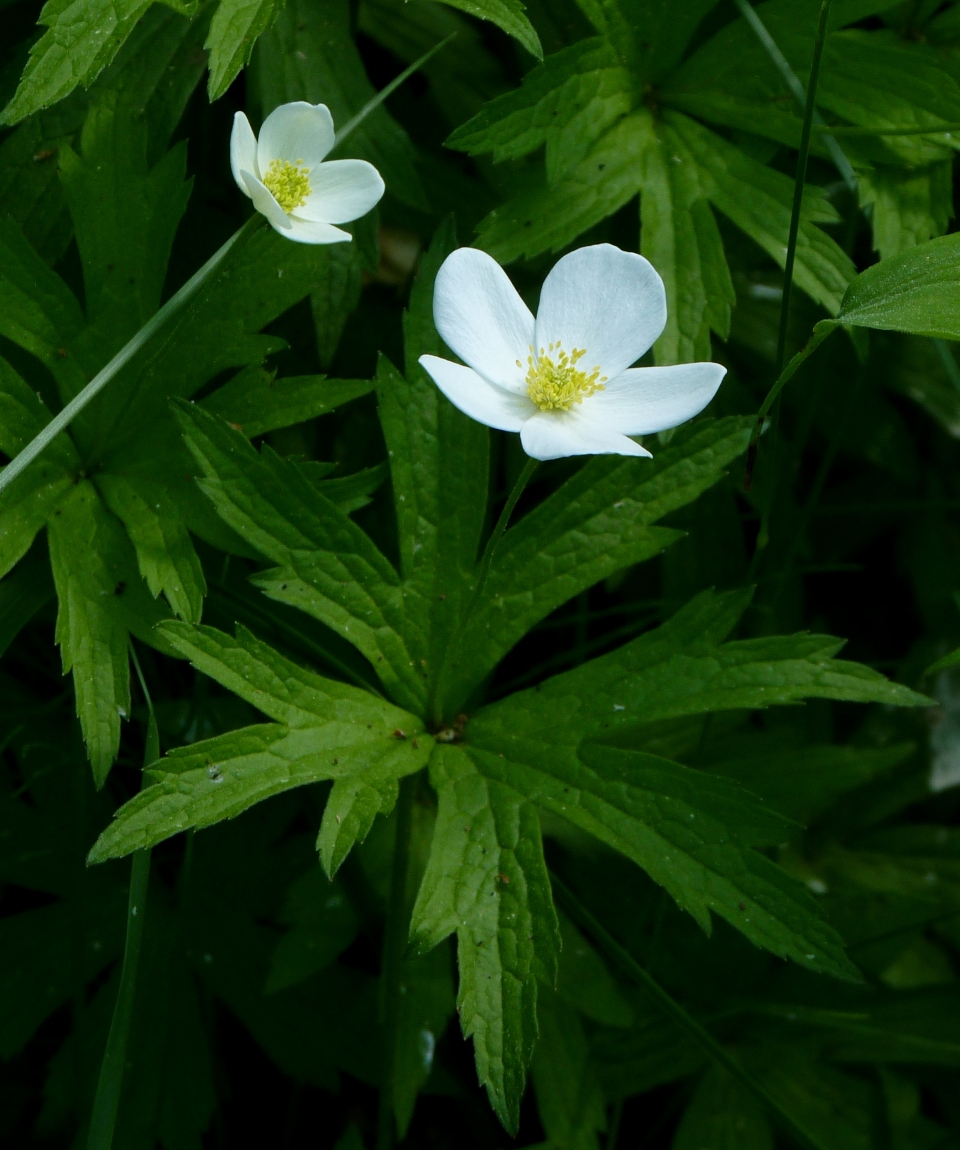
x=234, y=30
x=486, y=880
x=322, y=730
x=908, y=207
x=327, y=566
x=723, y=1116
x=693, y=833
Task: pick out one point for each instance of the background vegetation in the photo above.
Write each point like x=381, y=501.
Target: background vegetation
x=259, y=1009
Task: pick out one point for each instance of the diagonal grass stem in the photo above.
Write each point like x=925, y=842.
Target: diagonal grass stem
x=793, y=82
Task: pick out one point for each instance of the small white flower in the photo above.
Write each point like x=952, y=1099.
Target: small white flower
x=284, y=174
x=563, y=380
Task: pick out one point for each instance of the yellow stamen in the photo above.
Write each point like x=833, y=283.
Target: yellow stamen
x=555, y=383
x=288, y=182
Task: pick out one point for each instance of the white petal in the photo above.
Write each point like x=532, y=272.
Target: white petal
x=310, y=232
x=243, y=150
x=297, y=131
x=340, y=191
x=647, y=399
x=264, y=202
x=476, y=397
x=610, y=302
x=482, y=318
x=556, y=434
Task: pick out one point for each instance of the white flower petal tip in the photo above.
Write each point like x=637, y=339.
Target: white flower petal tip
x=564, y=380
x=284, y=174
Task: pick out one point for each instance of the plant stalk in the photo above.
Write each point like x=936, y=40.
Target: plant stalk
x=106, y=1103
x=792, y=80
x=485, y=562
x=642, y=978
x=394, y=943
x=798, y=186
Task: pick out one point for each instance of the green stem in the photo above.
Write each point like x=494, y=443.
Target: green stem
x=636, y=973
x=174, y=304
x=820, y=333
x=800, y=181
x=487, y=559
x=394, y=943
x=106, y=1103
x=793, y=82
x=385, y=93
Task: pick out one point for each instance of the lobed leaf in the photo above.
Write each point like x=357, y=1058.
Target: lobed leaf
x=486, y=879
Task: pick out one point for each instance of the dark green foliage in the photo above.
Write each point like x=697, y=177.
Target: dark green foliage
x=369, y=735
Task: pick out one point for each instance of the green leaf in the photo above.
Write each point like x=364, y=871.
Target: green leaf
x=323, y=730
x=125, y=216
x=328, y=566
x=722, y=1116
x=322, y=925
x=486, y=880
x=692, y=832
x=234, y=30
x=37, y=310
x=566, y=103
x=82, y=37
x=257, y=402
x=542, y=218
x=915, y=291
x=165, y=554
x=310, y=54
x=100, y=600
x=30, y=188
x=506, y=14
x=569, y=1099
x=679, y=236
x=684, y=668
x=908, y=207
x=758, y=200
x=597, y=523
x=29, y=501
x=920, y=861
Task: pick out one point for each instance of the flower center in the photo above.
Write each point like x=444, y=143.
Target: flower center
x=555, y=383
x=288, y=182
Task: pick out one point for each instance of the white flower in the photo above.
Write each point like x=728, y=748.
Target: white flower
x=284, y=175
x=563, y=380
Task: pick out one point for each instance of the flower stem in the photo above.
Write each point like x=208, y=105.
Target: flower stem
x=798, y=186
x=174, y=304
x=800, y=181
x=106, y=1102
x=487, y=559
x=685, y=1021
x=497, y=533
x=391, y=969
x=793, y=82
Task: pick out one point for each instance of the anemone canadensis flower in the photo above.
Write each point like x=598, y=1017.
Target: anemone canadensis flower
x=284, y=174
x=563, y=380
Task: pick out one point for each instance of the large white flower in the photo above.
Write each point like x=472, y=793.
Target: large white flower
x=563, y=380
x=284, y=174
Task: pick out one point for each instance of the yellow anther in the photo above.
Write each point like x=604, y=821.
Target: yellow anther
x=289, y=183
x=555, y=383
